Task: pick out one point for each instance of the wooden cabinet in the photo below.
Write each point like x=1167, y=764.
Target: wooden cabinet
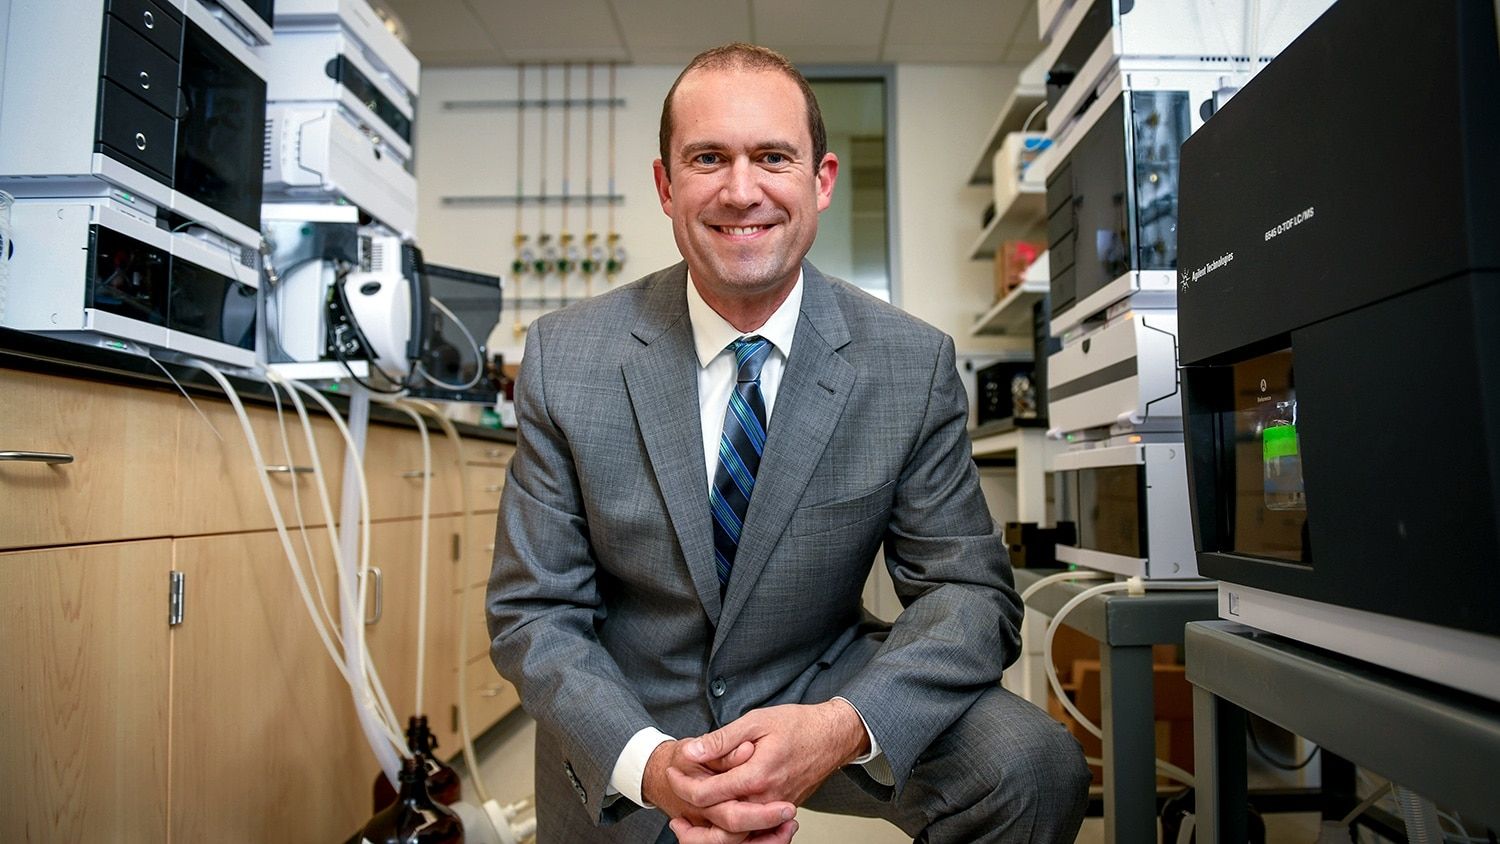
x=118, y=485
x=85, y=661
x=265, y=746
x=235, y=724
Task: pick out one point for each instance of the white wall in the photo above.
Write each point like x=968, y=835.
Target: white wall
x=942, y=115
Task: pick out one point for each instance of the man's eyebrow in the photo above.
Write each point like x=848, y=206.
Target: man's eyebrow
x=691, y=149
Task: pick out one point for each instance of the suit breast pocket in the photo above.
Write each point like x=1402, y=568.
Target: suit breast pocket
x=844, y=513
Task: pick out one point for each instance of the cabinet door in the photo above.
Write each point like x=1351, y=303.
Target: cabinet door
x=393, y=637
x=85, y=663
x=119, y=484
x=266, y=746
x=218, y=490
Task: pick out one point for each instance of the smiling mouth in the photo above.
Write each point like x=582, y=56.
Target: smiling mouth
x=741, y=230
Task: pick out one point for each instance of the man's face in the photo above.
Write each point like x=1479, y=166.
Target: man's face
x=743, y=192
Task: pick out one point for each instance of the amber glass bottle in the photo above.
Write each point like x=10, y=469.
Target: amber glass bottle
x=415, y=818
x=442, y=781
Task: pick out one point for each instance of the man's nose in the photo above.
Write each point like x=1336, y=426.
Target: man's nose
x=742, y=185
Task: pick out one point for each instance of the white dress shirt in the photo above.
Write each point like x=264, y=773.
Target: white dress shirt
x=712, y=335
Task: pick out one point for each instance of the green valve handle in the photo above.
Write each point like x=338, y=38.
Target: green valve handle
x=1279, y=441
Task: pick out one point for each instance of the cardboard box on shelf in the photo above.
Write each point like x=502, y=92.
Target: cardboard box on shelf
x=1011, y=261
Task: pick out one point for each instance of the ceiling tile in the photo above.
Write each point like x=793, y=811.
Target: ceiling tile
x=786, y=24
x=955, y=23
x=557, y=30
x=943, y=54
x=669, y=32
x=461, y=58
x=442, y=26
x=675, y=26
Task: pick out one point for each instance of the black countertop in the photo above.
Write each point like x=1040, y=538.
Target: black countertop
x=35, y=353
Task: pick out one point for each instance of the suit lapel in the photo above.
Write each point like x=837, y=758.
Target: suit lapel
x=815, y=386
x=662, y=379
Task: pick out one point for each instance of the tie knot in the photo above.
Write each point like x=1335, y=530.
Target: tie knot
x=750, y=355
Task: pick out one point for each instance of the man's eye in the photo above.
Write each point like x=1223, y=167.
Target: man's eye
x=706, y=158
x=776, y=158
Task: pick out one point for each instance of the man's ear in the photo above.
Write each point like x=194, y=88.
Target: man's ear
x=828, y=173
x=663, y=185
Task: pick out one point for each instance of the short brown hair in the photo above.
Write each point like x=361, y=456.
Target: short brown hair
x=752, y=57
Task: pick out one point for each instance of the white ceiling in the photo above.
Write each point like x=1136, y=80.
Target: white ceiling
x=505, y=32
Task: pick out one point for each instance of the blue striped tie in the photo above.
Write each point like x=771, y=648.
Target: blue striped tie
x=740, y=447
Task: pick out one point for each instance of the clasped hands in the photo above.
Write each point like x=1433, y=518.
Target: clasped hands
x=744, y=781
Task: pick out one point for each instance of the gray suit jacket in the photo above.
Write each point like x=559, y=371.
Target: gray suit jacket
x=603, y=602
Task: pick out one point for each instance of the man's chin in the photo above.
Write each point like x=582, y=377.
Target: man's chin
x=753, y=280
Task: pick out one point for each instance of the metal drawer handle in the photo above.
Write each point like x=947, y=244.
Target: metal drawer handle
x=34, y=457
x=494, y=452
x=140, y=141
x=494, y=487
x=491, y=691
x=418, y=473
x=289, y=470
x=379, y=590
x=150, y=19
x=145, y=81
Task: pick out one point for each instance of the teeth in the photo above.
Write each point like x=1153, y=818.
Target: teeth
x=740, y=230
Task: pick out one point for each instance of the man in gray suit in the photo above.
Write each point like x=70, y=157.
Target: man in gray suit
x=709, y=460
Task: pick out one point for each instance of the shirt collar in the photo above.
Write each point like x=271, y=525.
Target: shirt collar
x=712, y=333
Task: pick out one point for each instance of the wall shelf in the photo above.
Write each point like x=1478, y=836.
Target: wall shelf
x=1012, y=315
x=1022, y=217
x=1018, y=106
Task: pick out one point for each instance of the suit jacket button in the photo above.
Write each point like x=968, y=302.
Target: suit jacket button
x=718, y=687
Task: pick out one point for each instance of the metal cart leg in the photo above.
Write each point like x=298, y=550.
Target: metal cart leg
x=1129, y=744
x=1219, y=763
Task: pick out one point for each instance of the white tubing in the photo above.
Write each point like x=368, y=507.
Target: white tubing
x=1083, y=574
x=286, y=448
x=370, y=703
x=422, y=559
x=1162, y=766
x=471, y=759
x=1052, y=679
x=348, y=671
x=346, y=590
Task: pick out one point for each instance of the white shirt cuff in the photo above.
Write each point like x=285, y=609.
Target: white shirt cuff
x=874, y=745
x=630, y=769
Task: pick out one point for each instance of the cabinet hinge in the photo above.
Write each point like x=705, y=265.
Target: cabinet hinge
x=455, y=719
x=175, y=600
x=458, y=548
